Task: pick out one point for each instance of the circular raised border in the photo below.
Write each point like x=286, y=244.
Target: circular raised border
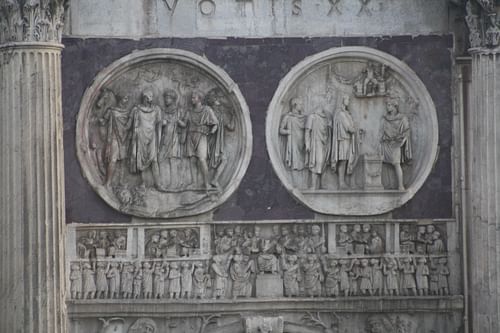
x=158, y=54
x=409, y=78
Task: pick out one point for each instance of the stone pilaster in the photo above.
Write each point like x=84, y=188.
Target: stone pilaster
x=31, y=168
x=483, y=141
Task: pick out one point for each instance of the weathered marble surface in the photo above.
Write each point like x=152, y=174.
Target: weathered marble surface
x=352, y=131
x=255, y=18
x=163, y=133
x=257, y=66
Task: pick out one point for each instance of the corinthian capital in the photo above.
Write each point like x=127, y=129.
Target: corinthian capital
x=484, y=27
x=31, y=20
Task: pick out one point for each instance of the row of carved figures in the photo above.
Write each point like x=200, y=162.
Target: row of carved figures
x=234, y=276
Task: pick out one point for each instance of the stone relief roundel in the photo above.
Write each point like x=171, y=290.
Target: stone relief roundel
x=352, y=131
x=163, y=133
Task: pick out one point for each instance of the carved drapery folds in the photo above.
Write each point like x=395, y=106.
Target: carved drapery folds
x=31, y=20
x=352, y=131
x=163, y=133
x=484, y=27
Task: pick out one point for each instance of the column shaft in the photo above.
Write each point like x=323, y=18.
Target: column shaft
x=32, y=195
x=484, y=192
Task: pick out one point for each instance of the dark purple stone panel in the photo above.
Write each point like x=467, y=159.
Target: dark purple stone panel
x=257, y=66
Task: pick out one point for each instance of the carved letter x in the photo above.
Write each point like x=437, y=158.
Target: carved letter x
x=334, y=7
x=364, y=8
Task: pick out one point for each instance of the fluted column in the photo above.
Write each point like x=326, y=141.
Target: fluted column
x=31, y=168
x=483, y=168
x=484, y=194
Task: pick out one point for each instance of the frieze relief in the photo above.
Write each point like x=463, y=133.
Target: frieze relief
x=297, y=322
x=285, y=260
x=163, y=133
x=352, y=131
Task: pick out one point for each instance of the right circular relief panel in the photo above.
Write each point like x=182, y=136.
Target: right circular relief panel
x=352, y=131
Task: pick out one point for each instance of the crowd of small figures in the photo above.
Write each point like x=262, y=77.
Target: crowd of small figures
x=234, y=275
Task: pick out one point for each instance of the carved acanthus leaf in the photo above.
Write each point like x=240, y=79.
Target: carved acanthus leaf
x=32, y=20
x=482, y=21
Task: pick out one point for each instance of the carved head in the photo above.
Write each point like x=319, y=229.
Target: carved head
x=333, y=263
x=315, y=230
x=237, y=230
x=146, y=265
x=75, y=267
x=196, y=97
x=173, y=233
x=174, y=265
x=364, y=262
x=376, y=325
x=392, y=105
x=296, y=105
x=123, y=101
x=430, y=229
x=357, y=228
x=343, y=228
x=421, y=229
x=229, y=232
x=292, y=259
x=436, y=235
x=155, y=238
x=147, y=96
x=170, y=97
x=366, y=228
x=285, y=231
x=421, y=260
x=214, y=97
x=345, y=102
x=265, y=327
x=188, y=232
x=374, y=234
x=185, y=265
x=256, y=231
x=374, y=261
x=301, y=231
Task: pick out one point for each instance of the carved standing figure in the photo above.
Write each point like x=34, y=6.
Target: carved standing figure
x=291, y=275
x=409, y=282
x=240, y=273
x=159, y=275
x=377, y=277
x=102, y=280
x=89, y=287
x=354, y=275
x=200, y=281
x=317, y=145
x=137, y=281
x=365, y=274
x=422, y=277
x=391, y=276
x=433, y=278
x=443, y=272
x=76, y=281
x=220, y=268
x=113, y=276
x=146, y=136
x=396, y=140
x=313, y=276
x=127, y=280
x=344, y=149
x=200, y=122
x=218, y=156
x=170, y=144
x=147, y=282
x=344, y=239
x=332, y=278
x=292, y=130
x=437, y=245
x=186, y=279
x=118, y=124
x=174, y=277
x=344, y=277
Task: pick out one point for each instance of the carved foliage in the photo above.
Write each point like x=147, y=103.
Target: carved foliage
x=31, y=20
x=483, y=24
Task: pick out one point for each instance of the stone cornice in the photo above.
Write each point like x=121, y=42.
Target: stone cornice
x=32, y=20
x=483, y=24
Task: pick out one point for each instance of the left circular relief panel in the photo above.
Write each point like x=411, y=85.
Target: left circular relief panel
x=163, y=133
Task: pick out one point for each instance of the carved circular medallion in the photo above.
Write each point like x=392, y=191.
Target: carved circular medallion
x=352, y=131
x=163, y=133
